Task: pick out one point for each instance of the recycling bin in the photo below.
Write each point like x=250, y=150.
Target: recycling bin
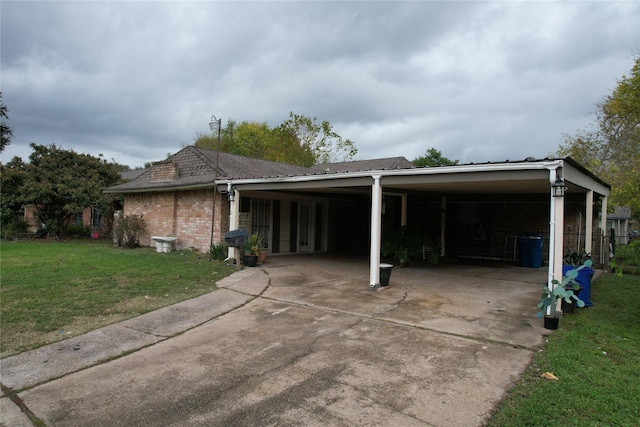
x=584, y=280
x=530, y=249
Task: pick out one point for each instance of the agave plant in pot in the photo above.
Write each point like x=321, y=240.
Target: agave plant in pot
x=253, y=248
x=560, y=291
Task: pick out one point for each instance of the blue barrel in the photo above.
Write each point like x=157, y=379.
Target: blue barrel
x=584, y=280
x=530, y=250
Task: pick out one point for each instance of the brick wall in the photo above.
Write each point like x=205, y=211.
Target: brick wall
x=182, y=214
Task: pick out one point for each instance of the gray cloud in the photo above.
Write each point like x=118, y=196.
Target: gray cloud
x=477, y=80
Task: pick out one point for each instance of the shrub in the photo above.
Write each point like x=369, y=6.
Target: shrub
x=128, y=230
x=14, y=229
x=77, y=230
x=218, y=251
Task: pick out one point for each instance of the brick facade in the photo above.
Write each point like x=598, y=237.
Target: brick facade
x=182, y=214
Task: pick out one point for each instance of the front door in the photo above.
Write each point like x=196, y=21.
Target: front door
x=305, y=227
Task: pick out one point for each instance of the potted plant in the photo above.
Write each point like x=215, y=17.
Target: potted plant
x=564, y=291
x=571, y=261
x=405, y=243
x=253, y=248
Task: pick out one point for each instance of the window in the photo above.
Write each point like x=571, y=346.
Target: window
x=261, y=219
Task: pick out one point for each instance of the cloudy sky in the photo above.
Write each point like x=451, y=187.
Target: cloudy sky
x=479, y=81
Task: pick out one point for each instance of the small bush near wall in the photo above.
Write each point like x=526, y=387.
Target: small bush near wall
x=15, y=229
x=77, y=230
x=128, y=230
x=627, y=258
x=218, y=251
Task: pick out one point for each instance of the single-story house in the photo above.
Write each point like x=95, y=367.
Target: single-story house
x=618, y=225
x=470, y=210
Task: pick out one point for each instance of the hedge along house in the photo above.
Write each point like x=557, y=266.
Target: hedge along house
x=470, y=211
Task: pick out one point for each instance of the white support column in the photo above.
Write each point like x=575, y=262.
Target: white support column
x=443, y=224
x=376, y=231
x=556, y=235
x=234, y=220
x=588, y=235
x=552, y=239
x=559, y=237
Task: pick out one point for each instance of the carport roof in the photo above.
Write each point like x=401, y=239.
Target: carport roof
x=195, y=167
x=526, y=176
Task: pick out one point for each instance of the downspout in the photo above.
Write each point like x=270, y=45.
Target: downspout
x=376, y=231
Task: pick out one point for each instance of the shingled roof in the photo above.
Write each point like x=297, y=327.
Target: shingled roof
x=388, y=163
x=194, y=167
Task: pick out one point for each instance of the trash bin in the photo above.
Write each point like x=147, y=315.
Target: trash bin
x=385, y=274
x=236, y=238
x=530, y=249
x=584, y=280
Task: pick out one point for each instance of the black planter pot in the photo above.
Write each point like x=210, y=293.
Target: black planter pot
x=250, y=260
x=551, y=322
x=570, y=307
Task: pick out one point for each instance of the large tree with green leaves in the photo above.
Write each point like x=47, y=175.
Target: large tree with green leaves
x=433, y=157
x=610, y=146
x=299, y=140
x=5, y=130
x=58, y=183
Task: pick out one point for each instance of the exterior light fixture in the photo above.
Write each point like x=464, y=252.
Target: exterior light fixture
x=215, y=124
x=558, y=188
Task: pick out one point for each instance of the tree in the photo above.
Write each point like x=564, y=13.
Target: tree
x=433, y=157
x=5, y=130
x=59, y=184
x=325, y=144
x=12, y=176
x=610, y=146
x=299, y=140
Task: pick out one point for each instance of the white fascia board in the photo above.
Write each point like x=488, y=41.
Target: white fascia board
x=365, y=177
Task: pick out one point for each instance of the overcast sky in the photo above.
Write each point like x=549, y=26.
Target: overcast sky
x=479, y=81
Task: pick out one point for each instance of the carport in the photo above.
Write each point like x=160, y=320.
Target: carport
x=548, y=182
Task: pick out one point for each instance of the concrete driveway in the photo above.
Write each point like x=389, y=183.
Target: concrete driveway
x=317, y=347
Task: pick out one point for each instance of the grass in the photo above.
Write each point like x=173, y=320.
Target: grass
x=52, y=290
x=595, y=355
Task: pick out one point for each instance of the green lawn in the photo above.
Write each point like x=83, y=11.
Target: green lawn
x=595, y=355
x=52, y=290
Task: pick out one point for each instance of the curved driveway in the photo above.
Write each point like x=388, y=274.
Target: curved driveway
x=317, y=347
